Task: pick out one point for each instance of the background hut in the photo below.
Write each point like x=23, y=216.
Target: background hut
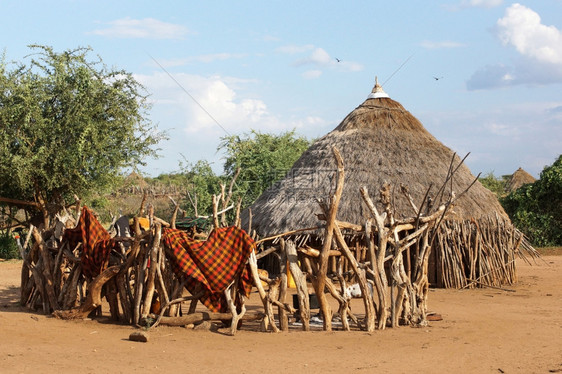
x=518, y=179
x=381, y=142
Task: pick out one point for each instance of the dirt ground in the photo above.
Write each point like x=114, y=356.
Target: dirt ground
x=483, y=331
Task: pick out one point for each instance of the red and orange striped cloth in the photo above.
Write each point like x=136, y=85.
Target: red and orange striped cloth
x=214, y=263
x=96, y=243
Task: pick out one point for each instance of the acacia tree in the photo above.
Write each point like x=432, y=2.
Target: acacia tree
x=263, y=159
x=69, y=124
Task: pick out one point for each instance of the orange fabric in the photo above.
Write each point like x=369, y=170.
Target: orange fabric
x=96, y=243
x=213, y=264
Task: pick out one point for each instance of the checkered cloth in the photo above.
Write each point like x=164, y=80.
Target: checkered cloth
x=96, y=243
x=213, y=264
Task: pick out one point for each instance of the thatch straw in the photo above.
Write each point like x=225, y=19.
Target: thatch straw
x=519, y=179
x=380, y=142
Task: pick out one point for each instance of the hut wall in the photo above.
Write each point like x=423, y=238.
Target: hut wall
x=464, y=254
x=469, y=253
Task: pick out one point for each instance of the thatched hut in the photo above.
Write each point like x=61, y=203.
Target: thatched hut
x=381, y=142
x=519, y=179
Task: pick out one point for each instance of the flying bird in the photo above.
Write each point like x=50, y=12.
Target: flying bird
x=338, y=60
x=437, y=78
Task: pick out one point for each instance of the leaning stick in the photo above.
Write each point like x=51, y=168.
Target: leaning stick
x=490, y=286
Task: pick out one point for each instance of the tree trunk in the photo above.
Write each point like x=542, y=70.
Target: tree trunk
x=93, y=300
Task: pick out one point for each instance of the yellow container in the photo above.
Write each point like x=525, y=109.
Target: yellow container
x=290, y=280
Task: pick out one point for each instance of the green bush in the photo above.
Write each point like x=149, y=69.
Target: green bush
x=536, y=209
x=494, y=184
x=8, y=246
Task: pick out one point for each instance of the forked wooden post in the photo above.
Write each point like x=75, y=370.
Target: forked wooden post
x=230, y=294
x=269, y=319
x=320, y=279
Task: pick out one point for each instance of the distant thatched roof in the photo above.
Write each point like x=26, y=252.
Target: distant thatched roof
x=380, y=142
x=135, y=179
x=518, y=179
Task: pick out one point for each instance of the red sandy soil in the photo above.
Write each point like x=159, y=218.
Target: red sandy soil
x=483, y=331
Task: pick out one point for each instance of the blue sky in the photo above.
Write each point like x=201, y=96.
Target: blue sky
x=273, y=66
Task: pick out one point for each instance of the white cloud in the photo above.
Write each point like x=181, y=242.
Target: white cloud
x=490, y=76
x=197, y=111
x=501, y=129
x=539, y=47
x=503, y=137
x=312, y=74
x=439, y=45
x=294, y=49
x=322, y=59
x=317, y=57
x=555, y=112
x=147, y=28
x=521, y=27
x=473, y=4
x=507, y=77
x=209, y=106
x=309, y=126
x=482, y=3
x=270, y=38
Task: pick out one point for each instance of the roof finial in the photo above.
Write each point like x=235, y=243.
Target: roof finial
x=377, y=92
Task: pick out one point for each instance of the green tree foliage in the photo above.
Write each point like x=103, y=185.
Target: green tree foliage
x=69, y=125
x=263, y=159
x=536, y=209
x=494, y=184
x=8, y=245
x=201, y=183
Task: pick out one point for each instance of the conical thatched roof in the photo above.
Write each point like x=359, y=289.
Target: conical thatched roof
x=135, y=179
x=518, y=179
x=380, y=142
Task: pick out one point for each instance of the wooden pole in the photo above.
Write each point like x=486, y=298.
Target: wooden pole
x=379, y=272
x=320, y=279
x=300, y=283
x=150, y=282
x=283, y=318
x=269, y=319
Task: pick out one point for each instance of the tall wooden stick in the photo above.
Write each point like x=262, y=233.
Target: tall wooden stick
x=378, y=267
x=320, y=279
x=300, y=283
x=150, y=283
